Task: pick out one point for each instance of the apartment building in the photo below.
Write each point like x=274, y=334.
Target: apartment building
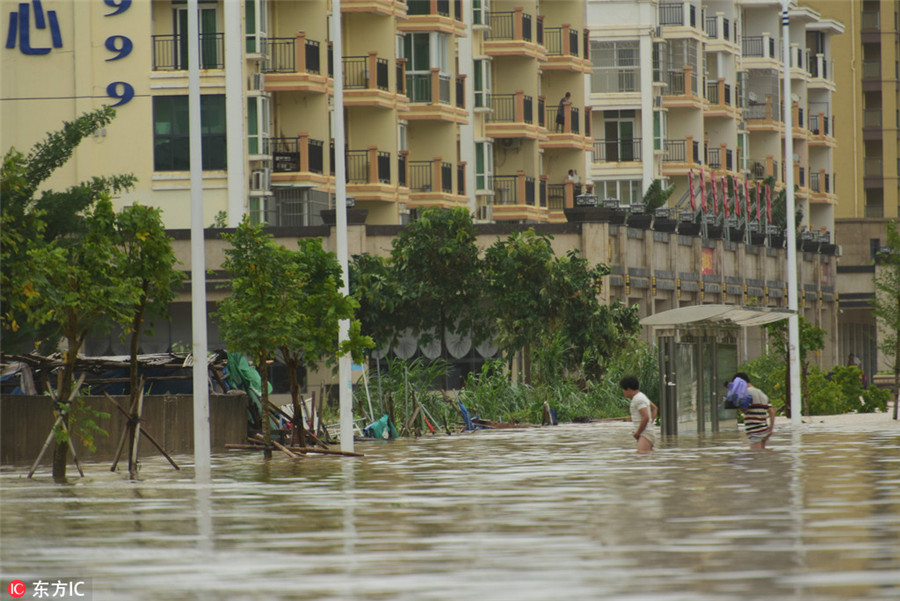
x=868, y=131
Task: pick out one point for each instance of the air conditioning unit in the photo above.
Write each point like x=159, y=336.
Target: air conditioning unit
x=260, y=180
x=257, y=82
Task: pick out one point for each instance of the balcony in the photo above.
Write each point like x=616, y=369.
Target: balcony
x=719, y=28
x=518, y=197
x=870, y=26
x=759, y=46
x=720, y=159
x=681, y=156
x=298, y=160
x=515, y=33
x=434, y=96
x=820, y=73
x=369, y=174
x=820, y=126
x=677, y=14
x=567, y=134
x=367, y=82
x=562, y=50
x=763, y=116
x=444, y=16
x=512, y=116
x=295, y=64
x=763, y=168
x=431, y=183
x=682, y=89
x=624, y=150
x=170, y=52
x=820, y=186
x=721, y=100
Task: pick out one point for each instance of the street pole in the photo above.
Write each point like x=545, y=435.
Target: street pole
x=345, y=382
x=198, y=259
x=794, y=319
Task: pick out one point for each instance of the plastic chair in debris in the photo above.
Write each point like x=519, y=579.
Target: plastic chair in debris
x=467, y=419
x=381, y=428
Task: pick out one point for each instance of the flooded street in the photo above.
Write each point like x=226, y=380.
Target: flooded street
x=568, y=512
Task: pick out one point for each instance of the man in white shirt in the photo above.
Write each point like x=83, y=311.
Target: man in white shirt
x=643, y=412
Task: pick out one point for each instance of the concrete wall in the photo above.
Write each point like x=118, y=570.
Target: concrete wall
x=25, y=422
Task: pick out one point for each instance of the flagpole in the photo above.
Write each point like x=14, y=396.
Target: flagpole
x=345, y=382
x=794, y=319
x=198, y=257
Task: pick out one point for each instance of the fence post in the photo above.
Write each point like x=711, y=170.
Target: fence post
x=566, y=45
x=437, y=181
x=373, y=163
x=688, y=84
x=300, y=51
x=517, y=23
x=303, y=149
x=372, y=66
x=569, y=194
x=689, y=149
x=435, y=85
x=567, y=117
x=770, y=166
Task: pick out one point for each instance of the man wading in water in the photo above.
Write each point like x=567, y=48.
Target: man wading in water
x=643, y=414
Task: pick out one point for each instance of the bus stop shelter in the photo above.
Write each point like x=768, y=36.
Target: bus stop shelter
x=698, y=354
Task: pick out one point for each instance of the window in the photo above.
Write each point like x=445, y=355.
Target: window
x=481, y=10
x=257, y=23
x=171, y=134
x=211, y=54
x=257, y=123
x=628, y=191
x=660, y=129
x=482, y=83
x=424, y=51
x=484, y=165
x=616, y=66
x=618, y=131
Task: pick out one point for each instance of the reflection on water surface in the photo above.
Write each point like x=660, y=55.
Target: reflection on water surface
x=570, y=512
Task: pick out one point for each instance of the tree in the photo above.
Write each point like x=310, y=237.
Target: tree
x=77, y=287
x=283, y=300
x=311, y=314
x=149, y=260
x=249, y=315
x=886, y=304
x=812, y=339
x=31, y=219
x=437, y=270
x=518, y=284
x=373, y=285
x=656, y=196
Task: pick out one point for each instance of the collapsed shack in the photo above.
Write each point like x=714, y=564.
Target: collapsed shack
x=28, y=412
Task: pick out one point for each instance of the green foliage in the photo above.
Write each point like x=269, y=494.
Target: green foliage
x=398, y=385
x=220, y=221
x=82, y=424
x=886, y=304
x=767, y=373
x=656, y=196
x=32, y=221
x=373, y=286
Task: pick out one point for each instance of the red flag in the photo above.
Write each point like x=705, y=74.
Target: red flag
x=747, y=198
x=715, y=196
x=757, y=201
x=691, y=181
x=737, y=204
x=703, y=191
x=737, y=190
x=768, y=204
x=724, y=191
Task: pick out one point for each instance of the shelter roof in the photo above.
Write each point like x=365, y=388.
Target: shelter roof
x=721, y=316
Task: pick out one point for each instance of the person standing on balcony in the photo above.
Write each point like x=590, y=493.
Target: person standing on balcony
x=561, y=112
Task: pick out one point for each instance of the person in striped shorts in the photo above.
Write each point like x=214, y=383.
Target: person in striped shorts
x=759, y=418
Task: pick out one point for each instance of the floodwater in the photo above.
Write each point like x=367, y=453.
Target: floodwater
x=568, y=512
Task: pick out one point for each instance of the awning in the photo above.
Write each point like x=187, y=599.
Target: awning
x=704, y=316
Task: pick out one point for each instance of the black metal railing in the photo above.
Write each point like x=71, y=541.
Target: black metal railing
x=460, y=91
x=382, y=68
x=714, y=158
x=170, y=52
x=676, y=151
x=461, y=179
x=542, y=192
x=556, y=196
x=505, y=189
x=357, y=164
x=529, y=191
x=356, y=72
x=420, y=176
x=541, y=121
x=401, y=79
x=418, y=87
x=285, y=154
x=526, y=27
x=819, y=127
x=282, y=55
x=384, y=166
x=617, y=150
x=528, y=109
x=316, y=156
x=753, y=45
x=444, y=88
x=503, y=107
x=671, y=13
x=401, y=170
x=447, y=177
x=502, y=26
x=729, y=159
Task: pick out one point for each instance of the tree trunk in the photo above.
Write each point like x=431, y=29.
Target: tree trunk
x=292, y=363
x=263, y=368
x=135, y=339
x=64, y=391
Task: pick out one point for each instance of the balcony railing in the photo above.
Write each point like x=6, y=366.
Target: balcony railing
x=672, y=13
x=170, y=52
x=555, y=40
x=762, y=168
x=570, y=125
x=358, y=72
x=506, y=189
x=515, y=25
x=820, y=182
x=301, y=154
x=712, y=93
x=758, y=46
x=428, y=87
x=871, y=20
x=874, y=166
x=461, y=179
x=617, y=151
x=872, y=118
x=506, y=108
x=421, y=176
x=460, y=91
x=683, y=151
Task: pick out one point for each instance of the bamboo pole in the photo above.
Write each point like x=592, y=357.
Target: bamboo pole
x=59, y=420
x=143, y=432
x=132, y=459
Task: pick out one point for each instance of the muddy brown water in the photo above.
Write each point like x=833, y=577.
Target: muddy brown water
x=568, y=512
